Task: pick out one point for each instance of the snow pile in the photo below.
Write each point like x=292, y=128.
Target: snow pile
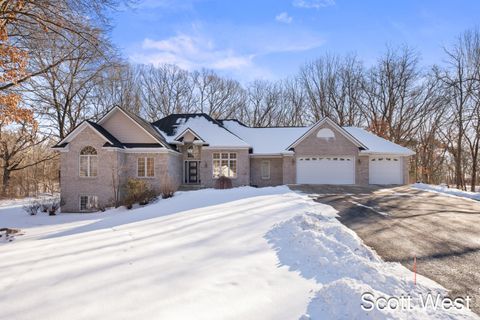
x=448, y=191
x=320, y=248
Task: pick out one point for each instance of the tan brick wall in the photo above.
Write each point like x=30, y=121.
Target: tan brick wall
x=166, y=167
x=72, y=185
x=276, y=172
x=289, y=169
x=340, y=146
x=406, y=170
x=312, y=145
x=362, y=170
x=243, y=167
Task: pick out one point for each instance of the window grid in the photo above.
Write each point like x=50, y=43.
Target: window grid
x=224, y=164
x=88, y=162
x=145, y=167
x=88, y=203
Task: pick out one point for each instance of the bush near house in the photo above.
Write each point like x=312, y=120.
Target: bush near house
x=138, y=191
x=32, y=208
x=167, y=189
x=223, y=183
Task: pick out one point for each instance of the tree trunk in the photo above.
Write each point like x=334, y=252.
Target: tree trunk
x=5, y=180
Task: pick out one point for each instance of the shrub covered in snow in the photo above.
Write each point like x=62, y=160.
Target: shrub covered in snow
x=53, y=208
x=223, y=183
x=45, y=205
x=32, y=207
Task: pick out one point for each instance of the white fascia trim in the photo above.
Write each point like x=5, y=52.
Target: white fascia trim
x=192, y=132
x=347, y=135
x=64, y=149
x=259, y=155
x=79, y=129
x=397, y=154
x=197, y=143
x=142, y=150
x=225, y=148
x=105, y=117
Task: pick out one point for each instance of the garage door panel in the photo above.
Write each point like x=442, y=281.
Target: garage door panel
x=385, y=170
x=326, y=170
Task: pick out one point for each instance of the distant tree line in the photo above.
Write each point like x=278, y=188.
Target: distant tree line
x=74, y=72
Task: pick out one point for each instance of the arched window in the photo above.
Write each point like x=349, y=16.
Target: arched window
x=88, y=150
x=326, y=134
x=88, y=162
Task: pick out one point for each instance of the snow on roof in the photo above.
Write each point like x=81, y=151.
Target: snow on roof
x=266, y=140
x=276, y=140
x=378, y=145
x=212, y=133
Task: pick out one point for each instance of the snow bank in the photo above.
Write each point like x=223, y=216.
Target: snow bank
x=322, y=249
x=448, y=191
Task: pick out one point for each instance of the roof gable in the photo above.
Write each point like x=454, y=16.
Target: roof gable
x=110, y=140
x=185, y=133
x=209, y=130
x=330, y=122
x=130, y=128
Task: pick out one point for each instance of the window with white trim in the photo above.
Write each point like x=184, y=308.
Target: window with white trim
x=224, y=164
x=265, y=169
x=88, y=162
x=145, y=167
x=88, y=203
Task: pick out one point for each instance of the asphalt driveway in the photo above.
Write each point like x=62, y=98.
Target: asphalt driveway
x=443, y=232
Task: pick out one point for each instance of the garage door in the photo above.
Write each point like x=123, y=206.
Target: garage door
x=386, y=170
x=325, y=170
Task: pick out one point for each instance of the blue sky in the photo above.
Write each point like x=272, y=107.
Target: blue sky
x=271, y=39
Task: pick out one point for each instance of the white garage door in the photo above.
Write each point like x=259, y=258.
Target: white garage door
x=326, y=170
x=385, y=170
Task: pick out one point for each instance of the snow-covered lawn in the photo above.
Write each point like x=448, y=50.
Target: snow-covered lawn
x=448, y=191
x=243, y=253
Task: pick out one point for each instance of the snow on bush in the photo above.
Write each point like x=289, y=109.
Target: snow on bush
x=32, y=207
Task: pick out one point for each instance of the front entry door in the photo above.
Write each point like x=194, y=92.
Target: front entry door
x=191, y=172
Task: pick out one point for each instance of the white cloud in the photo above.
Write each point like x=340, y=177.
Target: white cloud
x=284, y=17
x=315, y=4
x=190, y=52
x=235, y=52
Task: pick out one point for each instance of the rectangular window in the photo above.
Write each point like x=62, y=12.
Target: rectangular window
x=88, y=165
x=145, y=167
x=265, y=169
x=224, y=164
x=88, y=203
